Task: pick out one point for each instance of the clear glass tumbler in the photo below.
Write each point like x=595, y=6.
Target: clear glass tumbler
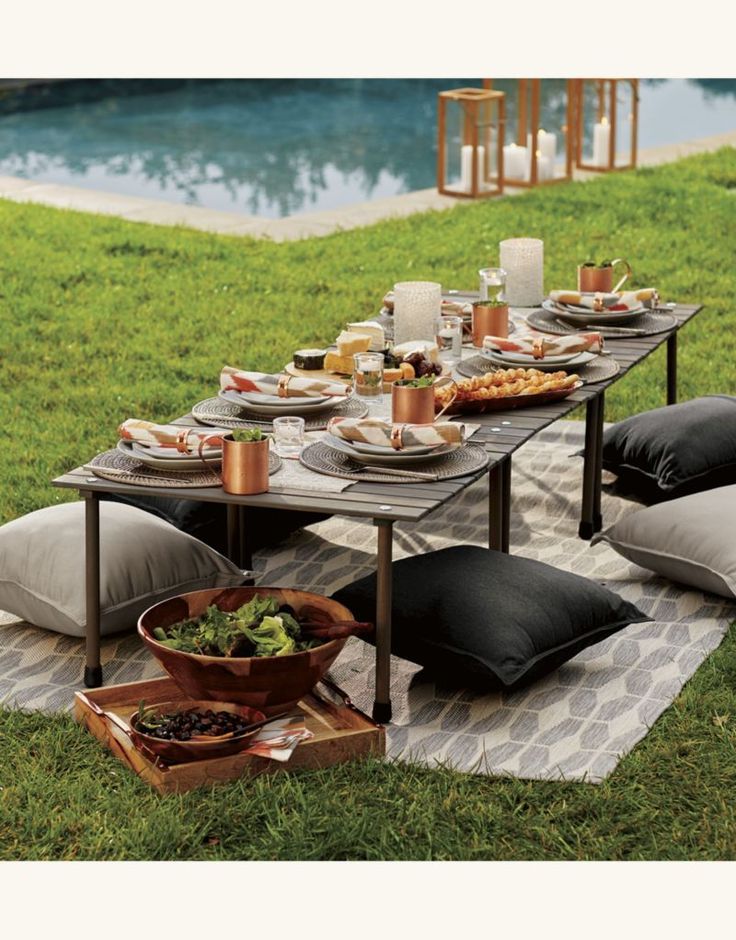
x=492, y=283
x=288, y=436
x=368, y=374
x=449, y=339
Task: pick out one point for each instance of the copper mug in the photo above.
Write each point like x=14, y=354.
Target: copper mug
x=415, y=405
x=244, y=464
x=489, y=320
x=594, y=279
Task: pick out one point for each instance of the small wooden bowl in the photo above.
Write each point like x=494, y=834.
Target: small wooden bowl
x=178, y=752
x=269, y=683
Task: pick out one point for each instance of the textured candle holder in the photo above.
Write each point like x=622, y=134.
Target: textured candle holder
x=417, y=305
x=523, y=261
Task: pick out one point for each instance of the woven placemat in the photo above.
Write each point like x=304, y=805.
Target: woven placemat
x=598, y=370
x=322, y=458
x=226, y=414
x=115, y=466
x=650, y=323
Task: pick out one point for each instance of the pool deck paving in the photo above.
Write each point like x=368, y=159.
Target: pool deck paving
x=307, y=225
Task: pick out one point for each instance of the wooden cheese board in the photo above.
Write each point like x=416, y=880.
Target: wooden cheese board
x=341, y=733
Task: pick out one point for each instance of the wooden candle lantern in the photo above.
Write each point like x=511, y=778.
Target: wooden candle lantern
x=532, y=158
x=606, y=123
x=470, y=130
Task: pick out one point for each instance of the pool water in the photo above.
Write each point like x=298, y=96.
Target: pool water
x=275, y=147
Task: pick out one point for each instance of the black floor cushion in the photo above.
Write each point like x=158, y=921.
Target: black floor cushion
x=489, y=619
x=208, y=521
x=674, y=451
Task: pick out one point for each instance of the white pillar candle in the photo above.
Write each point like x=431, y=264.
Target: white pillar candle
x=545, y=167
x=601, y=142
x=547, y=143
x=523, y=261
x=514, y=162
x=547, y=147
x=466, y=167
x=417, y=305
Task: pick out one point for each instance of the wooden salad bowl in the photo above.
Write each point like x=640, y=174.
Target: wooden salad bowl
x=270, y=684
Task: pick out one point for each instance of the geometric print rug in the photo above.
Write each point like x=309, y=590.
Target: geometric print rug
x=574, y=724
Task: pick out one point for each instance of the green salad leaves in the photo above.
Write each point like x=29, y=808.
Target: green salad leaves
x=259, y=628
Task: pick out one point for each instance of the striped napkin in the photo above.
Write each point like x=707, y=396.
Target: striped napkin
x=599, y=302
x=395, y=436
x=278, y=739
x=539, y=346
x=281, y=385
x=184, y=440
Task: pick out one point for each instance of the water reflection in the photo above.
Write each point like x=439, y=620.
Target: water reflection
x=275, y=148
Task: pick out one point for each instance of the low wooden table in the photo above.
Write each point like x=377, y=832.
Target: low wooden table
x=501, y=433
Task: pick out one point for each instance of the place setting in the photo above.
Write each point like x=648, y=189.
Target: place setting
x=381, y=450
x=581, y=353
x=597, y=305
x=170, y=455
x=254, y=399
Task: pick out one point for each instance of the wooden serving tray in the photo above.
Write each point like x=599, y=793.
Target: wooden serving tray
x=510, y=401
x=341, y=733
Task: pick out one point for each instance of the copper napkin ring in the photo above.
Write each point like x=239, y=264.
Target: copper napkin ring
x=397, y=434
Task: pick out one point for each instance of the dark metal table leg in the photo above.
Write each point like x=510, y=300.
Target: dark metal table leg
x=598, y=480
x=382, y=703
x=245, y=553
x=586, y=529
x=233, y=536
x=92, y=668
x=495, y=507
x=506, y=504
x=672, y=369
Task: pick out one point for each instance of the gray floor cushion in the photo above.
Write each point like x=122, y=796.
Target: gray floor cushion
x=691, y=540
x=142, y=560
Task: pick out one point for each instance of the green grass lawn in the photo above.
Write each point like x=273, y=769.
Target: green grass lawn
x=103, y=320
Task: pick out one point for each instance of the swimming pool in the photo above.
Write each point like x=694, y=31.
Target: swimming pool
x=275, y=147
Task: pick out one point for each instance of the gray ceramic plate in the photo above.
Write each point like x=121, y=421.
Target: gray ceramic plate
x=288, y=406
x=389, y=458
x=178, y=464
x=548, y=364
x=590, y=317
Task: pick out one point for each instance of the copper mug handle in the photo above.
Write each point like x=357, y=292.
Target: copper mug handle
x=205, y=440
x=626, y=276
x=443, y=380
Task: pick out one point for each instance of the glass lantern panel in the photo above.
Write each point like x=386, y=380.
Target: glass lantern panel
x=460, y=118
x=596, y=122
x=489, y=129
x=625, y=104
x=454, y=126
x=552, y=130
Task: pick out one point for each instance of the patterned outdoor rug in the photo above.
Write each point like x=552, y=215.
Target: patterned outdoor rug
x=576, y=724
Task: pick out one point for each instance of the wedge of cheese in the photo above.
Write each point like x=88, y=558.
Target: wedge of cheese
x=429, y=349
x=349, y=343
x=334, y=362
x=372, y=329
